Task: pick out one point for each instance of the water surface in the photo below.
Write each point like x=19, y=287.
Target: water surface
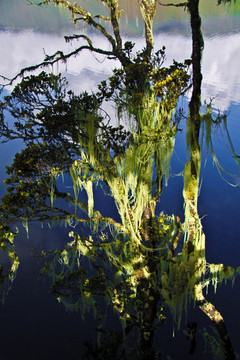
x=33, y=324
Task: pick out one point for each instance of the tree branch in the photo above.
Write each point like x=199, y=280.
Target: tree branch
x=78, y=36
x=58, y=56
x=215, y=316
x=97, y=216
x=116, y=52
x=183, y=4
x=148, y=10
x=85, y=16
x=115, y=15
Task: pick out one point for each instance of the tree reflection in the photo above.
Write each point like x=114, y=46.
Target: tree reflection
x=126, y=254
x=144, y=262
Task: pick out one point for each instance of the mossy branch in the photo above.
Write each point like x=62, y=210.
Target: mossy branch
x=117, y=51
x=214, y=315
x=115, y=15
x=77, y=37
x=148, y=11
x=182, y=4
x=85, y=16
x=97, y=216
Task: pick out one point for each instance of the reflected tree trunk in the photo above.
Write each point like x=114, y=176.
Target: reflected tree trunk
x=191, y=185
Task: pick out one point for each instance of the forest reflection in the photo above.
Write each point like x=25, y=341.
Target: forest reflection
x=143, y=262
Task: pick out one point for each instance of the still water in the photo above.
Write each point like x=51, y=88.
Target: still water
x=33, y=323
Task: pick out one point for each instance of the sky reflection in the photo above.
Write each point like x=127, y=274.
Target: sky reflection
x=221, y=78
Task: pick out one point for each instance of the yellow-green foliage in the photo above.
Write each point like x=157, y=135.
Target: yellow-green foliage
x=132, y=188
x=129, y=177
x=7, y=245
x=180, y=275
x=82, y=180
x=219, y=273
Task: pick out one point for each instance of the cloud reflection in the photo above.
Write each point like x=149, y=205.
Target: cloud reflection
x=221, y=78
